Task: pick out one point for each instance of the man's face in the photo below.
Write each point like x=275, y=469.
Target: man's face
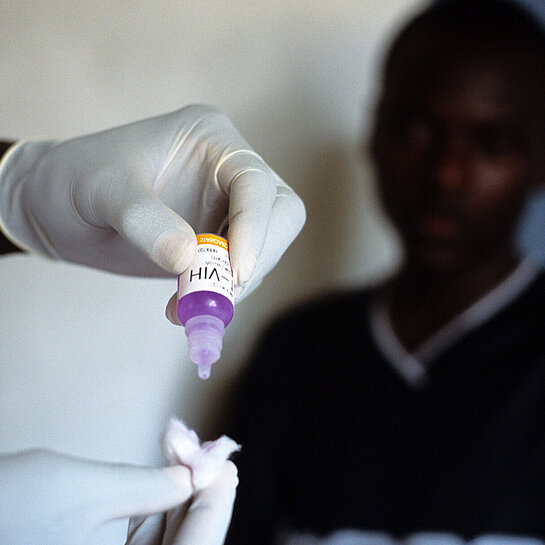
x=457, y=146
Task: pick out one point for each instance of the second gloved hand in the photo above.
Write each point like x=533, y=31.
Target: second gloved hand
x=130, y=199
x=48, y=498
x=204, y=519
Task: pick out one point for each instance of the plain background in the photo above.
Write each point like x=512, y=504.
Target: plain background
x=89, y=364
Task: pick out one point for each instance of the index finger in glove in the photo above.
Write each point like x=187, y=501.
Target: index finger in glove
x=134, y=490
x=68, y=497
x=107, y=490
x=255, y=190
x=206, y=520
x=283, y=224
x=252, y=190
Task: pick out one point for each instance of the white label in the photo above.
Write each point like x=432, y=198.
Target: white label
x=210, y=270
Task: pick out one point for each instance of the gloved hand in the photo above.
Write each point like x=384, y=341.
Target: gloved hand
x=48, y=498
x=205, y=519
x=130, y=199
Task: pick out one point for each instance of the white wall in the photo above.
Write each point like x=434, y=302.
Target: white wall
x=89, y=365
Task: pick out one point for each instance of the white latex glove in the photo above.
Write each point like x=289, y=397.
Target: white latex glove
x=204, y=519
x=48, y=498
x=131, y=199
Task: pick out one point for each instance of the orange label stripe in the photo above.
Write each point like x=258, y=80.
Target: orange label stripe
x=209, y=238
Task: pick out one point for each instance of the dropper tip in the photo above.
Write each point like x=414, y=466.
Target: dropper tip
x=205, y=368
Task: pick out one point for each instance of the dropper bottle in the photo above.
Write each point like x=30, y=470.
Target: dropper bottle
x=206, y=301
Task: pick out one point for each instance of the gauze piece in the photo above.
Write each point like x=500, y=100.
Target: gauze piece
x=182, y=446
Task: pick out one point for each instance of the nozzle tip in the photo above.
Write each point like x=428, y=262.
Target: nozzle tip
x=205, y=368
x=204, y=336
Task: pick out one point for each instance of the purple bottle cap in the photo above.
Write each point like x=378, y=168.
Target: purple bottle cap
x=205, y=339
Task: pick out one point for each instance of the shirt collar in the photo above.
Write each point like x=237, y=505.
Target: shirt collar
x=413, y=366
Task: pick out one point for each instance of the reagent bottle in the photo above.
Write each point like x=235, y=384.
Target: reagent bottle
x=205, y=300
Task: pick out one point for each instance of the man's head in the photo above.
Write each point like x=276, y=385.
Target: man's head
x=459, y=140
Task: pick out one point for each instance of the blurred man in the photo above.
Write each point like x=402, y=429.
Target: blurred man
x=414, y=412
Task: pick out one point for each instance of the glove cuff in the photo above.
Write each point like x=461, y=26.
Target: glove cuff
x=17, y=221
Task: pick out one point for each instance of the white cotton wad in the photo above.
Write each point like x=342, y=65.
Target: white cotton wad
x=182, y=446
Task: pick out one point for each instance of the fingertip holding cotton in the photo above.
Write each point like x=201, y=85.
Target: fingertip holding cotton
x=174, y=251
x=231, y=472
x=182, y=446
x=223, y=488
x=181, y=477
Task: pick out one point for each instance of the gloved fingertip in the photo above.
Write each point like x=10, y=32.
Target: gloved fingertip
x=174, y=251
x=243, y=268
x=230, y=473
x=171, y=310
x=182, y=478
x=238, y=291
x=172, y=316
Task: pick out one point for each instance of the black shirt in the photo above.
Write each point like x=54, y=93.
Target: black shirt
x=334, y=437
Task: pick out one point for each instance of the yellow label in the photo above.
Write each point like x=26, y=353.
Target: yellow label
x=209, y=238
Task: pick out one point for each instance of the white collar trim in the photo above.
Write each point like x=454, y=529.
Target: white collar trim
x=412, y=366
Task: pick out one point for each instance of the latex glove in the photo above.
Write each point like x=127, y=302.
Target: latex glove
x=48, y=498
x=205, y=518
x=130, y=199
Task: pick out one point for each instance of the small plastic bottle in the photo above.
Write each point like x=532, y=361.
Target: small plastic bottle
x=205, y=301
